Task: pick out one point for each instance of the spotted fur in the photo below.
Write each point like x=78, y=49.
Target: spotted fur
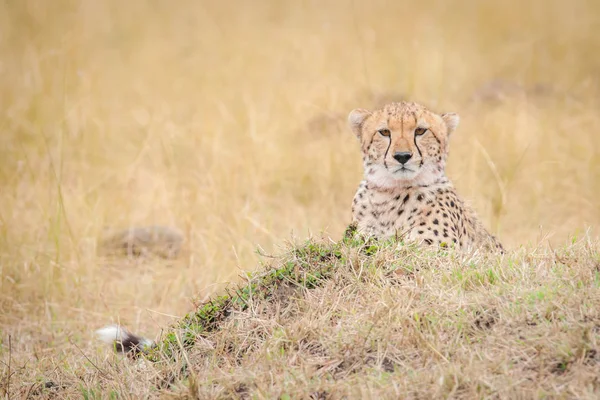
x=405, y=192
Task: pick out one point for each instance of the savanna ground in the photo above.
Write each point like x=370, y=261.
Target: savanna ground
x=227, y=119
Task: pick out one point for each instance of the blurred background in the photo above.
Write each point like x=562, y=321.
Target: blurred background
x=227, y=120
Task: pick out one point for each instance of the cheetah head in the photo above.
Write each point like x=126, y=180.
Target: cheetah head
x=403, y=144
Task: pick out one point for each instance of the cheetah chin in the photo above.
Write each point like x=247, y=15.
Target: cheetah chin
x=401, y=177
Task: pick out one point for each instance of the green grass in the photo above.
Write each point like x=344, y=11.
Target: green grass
x=308, y=268
x=354, y=318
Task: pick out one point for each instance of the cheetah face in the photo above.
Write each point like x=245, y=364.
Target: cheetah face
x=403, y=144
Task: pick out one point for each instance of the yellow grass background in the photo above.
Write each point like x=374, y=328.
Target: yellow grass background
x=227, y=119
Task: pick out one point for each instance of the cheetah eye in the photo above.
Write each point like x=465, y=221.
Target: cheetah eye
x=384, y=132
x=420, y=131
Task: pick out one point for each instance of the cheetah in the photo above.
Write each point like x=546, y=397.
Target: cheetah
x=405, y=192
x=123, y=341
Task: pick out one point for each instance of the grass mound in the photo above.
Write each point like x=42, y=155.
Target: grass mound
x=304, y=268
x=360, y=320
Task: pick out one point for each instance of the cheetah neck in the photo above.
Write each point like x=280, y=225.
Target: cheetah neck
x=402, y=185
x=389, y=211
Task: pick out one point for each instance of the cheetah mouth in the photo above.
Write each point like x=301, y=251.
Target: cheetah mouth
x=403, y=170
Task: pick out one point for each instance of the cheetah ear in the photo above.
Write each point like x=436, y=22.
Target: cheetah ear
x=356, y=119
x=451, y=120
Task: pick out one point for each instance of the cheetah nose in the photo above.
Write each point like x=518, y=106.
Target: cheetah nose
x=402, y=156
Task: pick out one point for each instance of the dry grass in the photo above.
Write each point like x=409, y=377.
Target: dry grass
x=350, y=320
x=226, y=120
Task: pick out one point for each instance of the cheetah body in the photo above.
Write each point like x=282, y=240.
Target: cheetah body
x=405, y=192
